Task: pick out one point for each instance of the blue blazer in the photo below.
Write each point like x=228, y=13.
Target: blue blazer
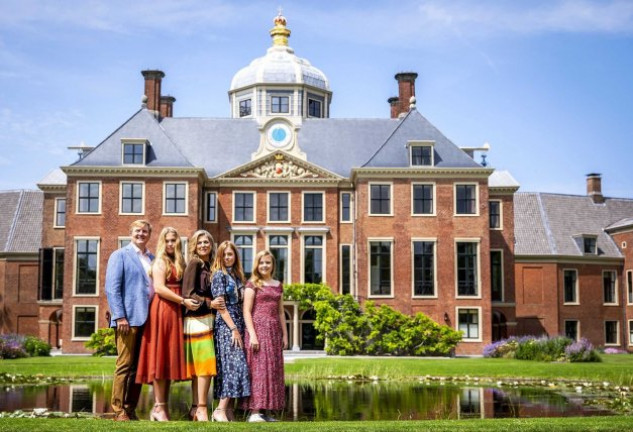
x=127, y=287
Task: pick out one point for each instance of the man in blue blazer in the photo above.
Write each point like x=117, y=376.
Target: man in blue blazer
x=129, y=291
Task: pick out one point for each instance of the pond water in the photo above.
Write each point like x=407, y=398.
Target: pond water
x=330, y=401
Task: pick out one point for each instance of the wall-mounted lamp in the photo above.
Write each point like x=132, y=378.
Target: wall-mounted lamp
x=446, y=318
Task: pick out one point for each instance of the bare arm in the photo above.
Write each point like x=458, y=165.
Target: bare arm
x=249, y=300
x=160, y=276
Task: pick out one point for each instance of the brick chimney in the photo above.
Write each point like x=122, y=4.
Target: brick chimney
x=594, y=188
x=153, y=80
x=167, y=106
x=406, y=89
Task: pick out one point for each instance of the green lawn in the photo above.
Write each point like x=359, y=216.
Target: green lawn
x=572, y=424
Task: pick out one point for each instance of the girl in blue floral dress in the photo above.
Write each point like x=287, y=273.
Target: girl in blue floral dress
x=232, y=381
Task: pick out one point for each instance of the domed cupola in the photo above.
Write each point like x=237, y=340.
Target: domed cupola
x=280, y=84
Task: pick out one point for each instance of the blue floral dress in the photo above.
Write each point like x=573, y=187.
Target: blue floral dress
x=232, y=380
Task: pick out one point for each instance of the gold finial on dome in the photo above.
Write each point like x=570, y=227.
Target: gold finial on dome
x=280, y=33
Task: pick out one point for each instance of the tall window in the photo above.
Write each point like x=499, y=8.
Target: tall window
x=629, y=286
x=131, y=197
x=421, y=155
x=380, y=199
x=51, y=283
x=423, y=268
x=346, y=207
x=86, y=263
x=278, y=245
x=609, y=287
x=314, y=108
x=570, y=286
x=60, y=212
x=245, y=107
x=244, y=207
x=346, y=269
x=422, y=199
x=468, y=323
x=380, y=268
x=571, y=329
x=245, y=247
x=313, y=259
x=313, y=207
x=496, y=275
x=611, y=333
x=467, y=279
x=495, y=214
x=133, y=154
x=175, y=198
x=465, y=199
x=630, y=332
x=88, y=197
x=280, y=104
x=84, y=321
x=212, y=207
x=278, y=206
x=58, y=273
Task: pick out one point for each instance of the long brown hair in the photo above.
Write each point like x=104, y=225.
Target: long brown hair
x=218, y=263
x=193, y=244
x=256, y=276
x=177, y=260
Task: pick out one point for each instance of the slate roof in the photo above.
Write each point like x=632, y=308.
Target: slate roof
x=20, y=221
x=219, y=145
x=546, y=223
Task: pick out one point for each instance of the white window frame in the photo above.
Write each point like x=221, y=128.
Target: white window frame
x=288, y=235
x=97, y=276
x=477, y=241
x=323, y=212
x=391, y=198
x=476, y=185
x=371, y=240
x=122, y=239
x=577, y=327
x=132, y=141
x=324, y=257
x=500, y=228
x=121, y=183
x=234, y=202
x=475, y=390
x=351, y=268
x=434, y=209
x=629, y=287
x=617, y=334
x=253, y=235
x=55, y=225
x=413, y=144
x=576, y=289
x=239, y=108
x=273, y=94
x=630, y=332
x=100, y=198
x=479, y=323
x=71, y=394
x=320, y=108
x=435, y=290
x=289, y=195
x=503, y=276
x=171, y=182
x=615, y=288
x=206, y=207
x=351, y=207
x=54, y=273
x=83, y=338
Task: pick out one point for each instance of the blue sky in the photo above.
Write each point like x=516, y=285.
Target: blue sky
x=549, y=84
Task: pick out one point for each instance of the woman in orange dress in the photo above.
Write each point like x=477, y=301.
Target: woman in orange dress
x=162, y=358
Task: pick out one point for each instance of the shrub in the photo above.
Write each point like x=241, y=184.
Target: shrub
x=581, y=351
x=36, y=347
x=12, y=346
x=542, y=349
x=102, y=342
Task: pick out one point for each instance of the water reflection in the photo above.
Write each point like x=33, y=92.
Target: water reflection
x=329, y=401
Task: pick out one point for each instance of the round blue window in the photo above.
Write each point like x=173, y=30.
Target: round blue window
x=279, y=134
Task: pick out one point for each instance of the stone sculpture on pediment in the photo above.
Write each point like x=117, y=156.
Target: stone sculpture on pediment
x=279, y=168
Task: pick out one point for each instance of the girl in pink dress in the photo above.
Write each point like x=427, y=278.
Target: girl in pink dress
x=265, y=340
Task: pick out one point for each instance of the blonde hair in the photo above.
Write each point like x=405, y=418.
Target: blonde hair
x=177, y=260
x=140, y=223
x=218, y=263
x=256, y=276
x=193, y=243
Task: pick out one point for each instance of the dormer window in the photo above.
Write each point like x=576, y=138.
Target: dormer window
x=314, y=108
x=587, y=243
x=245, y=108
x=421, y=153
x=133, y=152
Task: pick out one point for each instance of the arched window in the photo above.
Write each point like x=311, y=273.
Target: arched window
x=308, y=333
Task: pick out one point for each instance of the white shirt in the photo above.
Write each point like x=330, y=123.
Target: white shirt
x=147, y=265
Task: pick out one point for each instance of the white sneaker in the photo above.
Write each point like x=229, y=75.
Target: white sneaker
x=256, y=418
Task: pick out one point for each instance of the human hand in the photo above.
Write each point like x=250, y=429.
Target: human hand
x=123, y=325
x=236, y=338
x=218, y=303
x=285, y=343
x=254, y=343
x=191, y=304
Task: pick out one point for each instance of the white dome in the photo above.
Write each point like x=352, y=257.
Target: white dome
x=280, y=66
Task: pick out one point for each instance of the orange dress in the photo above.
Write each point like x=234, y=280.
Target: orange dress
x=162, y=354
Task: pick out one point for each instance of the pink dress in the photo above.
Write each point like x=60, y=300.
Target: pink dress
x=266, y=365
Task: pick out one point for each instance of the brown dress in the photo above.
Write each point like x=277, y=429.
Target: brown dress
x=162, y=347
